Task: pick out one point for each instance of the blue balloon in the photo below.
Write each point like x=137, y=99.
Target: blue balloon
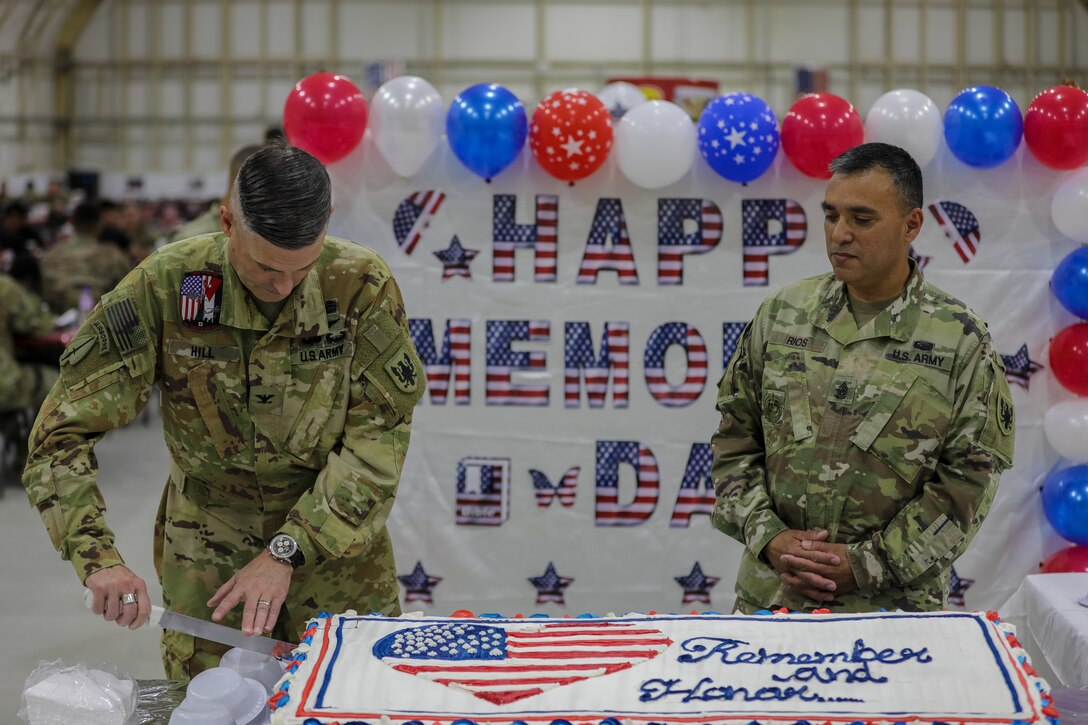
x=983, y=126
x=486, y=127
x=1070, y=282
x=738, y=136
x=1065, y=502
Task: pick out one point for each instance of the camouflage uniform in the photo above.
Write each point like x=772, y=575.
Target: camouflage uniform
x=79, y=262
x=298, y=426
x=892, y=438
x=206, y=223
x=22, y=313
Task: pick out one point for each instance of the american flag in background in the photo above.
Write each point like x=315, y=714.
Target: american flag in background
x=418, y=585
x=609, y=511
x=504, y=663
x=697, y=585
x=759, y=243
x=483, y=489
x=673, y=243
x=542, y=236
x=608, y=223
x=696, y=494
x=198, y=296
x=413, y=215
x=564, y=490
x=1019, y=367
x=502, y=362
x=923, y=260
x=731, y=332
x=960, y=226
x=455, y=361
x=687, y=392
x=578, y=360
x=549, y=586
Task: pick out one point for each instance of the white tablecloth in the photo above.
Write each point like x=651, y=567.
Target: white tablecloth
x=1052, y=626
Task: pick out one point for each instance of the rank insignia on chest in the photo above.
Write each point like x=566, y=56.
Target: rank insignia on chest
x=774, y=402
x=201, y=300
x=402, y=370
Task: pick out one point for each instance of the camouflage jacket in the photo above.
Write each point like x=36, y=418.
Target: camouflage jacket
x=892, y=438
x=306, y=418
x=81, y=262
x=206, y=223
x=21, y=313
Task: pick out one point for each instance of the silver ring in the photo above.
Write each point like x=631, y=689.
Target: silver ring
x=128, y=599
x=264, y=602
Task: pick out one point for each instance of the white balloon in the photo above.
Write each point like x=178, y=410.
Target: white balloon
x=1066, y=427
x=907, y=119
x=407, y=119
x=1069, y=206
x=655, y=144
x=620, y=97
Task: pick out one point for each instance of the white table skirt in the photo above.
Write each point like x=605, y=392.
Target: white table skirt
x=1052, y=626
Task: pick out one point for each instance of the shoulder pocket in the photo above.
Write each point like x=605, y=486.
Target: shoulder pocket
x=999, y=431
x=388, y=360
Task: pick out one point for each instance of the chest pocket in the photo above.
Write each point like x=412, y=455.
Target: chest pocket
x=304, y=437
x=215, y=405
x=786, y=412
x=906, y=425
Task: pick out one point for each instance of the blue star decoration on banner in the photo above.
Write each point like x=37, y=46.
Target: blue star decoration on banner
x=957, y=587
x=697, y=585
x=455, y=259
x=418, y=585
x=1019, y=367
x=550, y=586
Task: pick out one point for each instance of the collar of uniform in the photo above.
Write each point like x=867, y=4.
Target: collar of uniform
x=307, y=320
x=82, y=240
x=896, y=321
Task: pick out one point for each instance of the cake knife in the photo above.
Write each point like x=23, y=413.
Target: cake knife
x=204, y=629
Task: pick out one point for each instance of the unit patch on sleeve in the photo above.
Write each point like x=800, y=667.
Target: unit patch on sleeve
x=201, y=299
x=402, y=370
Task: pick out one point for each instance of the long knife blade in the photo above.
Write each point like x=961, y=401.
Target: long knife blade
x=220, y=633
x=176, y=622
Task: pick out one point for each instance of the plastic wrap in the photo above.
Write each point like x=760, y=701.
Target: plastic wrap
x=58, y=694
x=158, y=700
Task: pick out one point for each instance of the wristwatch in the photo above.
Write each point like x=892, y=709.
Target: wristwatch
x=283, y=547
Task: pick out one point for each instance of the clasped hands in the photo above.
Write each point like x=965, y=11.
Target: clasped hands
x=261, y=584
x=810, y=565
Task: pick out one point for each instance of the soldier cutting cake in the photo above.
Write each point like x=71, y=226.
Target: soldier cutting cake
x=288, y=380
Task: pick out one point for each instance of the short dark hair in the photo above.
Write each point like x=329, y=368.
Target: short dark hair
x=284, y=195
x=900, y=165
x=85, y=218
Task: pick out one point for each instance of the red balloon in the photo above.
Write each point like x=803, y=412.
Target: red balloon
x=817, y=128
x=1056, y=127
x=1073, y=559
x=325, y=114
x=1069, y=358
x=571, y=134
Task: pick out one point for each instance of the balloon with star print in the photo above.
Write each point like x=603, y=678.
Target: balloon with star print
x=571, y=134
x=738, y=136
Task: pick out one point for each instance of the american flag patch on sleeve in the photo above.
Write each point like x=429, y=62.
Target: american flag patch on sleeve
x=126, y=326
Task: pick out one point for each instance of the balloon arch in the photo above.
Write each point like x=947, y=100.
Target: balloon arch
x=738, y=135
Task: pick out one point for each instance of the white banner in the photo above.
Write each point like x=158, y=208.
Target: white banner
x=574, y=335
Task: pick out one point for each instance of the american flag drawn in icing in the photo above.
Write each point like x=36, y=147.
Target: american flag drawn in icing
x=505, y=663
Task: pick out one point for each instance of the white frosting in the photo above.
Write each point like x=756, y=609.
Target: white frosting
x=948, y=666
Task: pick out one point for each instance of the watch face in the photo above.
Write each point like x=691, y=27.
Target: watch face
x=283, y=546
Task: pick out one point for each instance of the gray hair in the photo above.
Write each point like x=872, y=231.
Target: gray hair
x=900, y=165
x=284, y=195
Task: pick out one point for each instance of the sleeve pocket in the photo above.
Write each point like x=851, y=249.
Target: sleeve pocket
x=43, y=496
x=934, y=544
